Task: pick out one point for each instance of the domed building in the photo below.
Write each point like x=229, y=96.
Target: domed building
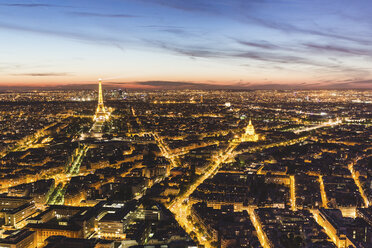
x=250, y=133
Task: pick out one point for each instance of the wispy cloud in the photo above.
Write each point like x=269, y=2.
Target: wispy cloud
x=367, y=82
x=276, y=58
x=162, y=26
x=93, y=14
x=85, y=37
x=190, y=6
x=179, y=85
x=290, y=28
x=190, y=51
x=159, y=84
x=210, y=52
x=170, y=84
x=32, y=5
x=337, y=49
x=258, y=44
x=176, y=30
x=43, y=74
x=232, y=10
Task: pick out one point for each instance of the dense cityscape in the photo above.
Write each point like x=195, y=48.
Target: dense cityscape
x=185, y=124
x=185, y=168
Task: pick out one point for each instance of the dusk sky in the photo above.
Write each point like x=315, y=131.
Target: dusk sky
x=179, y=43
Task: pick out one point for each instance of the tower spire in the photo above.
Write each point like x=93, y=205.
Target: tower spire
x=100, y=97
x=101, y=113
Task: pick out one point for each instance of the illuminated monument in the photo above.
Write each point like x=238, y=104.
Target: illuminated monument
x=250, y=133
x=101, y=114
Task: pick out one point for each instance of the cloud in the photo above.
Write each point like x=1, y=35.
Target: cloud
x=169, y=84
x=337, y=49
x=208, y=52
x=159, y=84
x=272, y=58
x=31, y=5
x=162, y=26
x=196, y=52
x=346, y=84
x=258, y=44
x=191, y=51
x=103, y=40
x=190, y=6
x=330, y=84
x=164, y=84
x=368, y=82
x=231, y=10
x=49, y=74
x=215, y=7
x=277, y=58
x=175, y=30
x=7, y=66
x=289, y=28
x=92, y=14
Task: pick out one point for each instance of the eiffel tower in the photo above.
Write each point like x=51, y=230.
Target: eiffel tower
x=101, y=113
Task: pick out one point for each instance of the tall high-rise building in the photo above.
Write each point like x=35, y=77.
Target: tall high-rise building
x=101, y=113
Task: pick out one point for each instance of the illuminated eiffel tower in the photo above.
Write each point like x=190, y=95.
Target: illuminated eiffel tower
x=101, y=113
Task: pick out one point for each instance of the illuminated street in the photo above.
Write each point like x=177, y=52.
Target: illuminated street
x=181, y=210
x=329, y=232
x=293, y=193
x=323, y=193
x=74, y=167
x=260, y=232
x=329, y=123
x=355, y=176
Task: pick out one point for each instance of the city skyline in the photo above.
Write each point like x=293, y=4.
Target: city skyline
x=185, y=124
x=186, y=44
x=185, y=168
